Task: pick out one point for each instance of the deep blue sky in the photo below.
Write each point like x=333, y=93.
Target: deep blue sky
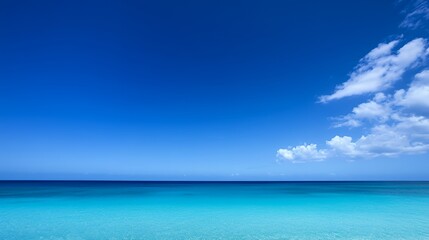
x=184, y=89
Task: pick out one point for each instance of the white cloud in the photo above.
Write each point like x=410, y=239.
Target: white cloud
x=285, y=153
x=383, y=49
x=301, y=153
x=379, y=97
x=394, y=124
x=343, y=145
x=376, y=109
x=417, y=95
x=415, y=126
x=383, y=140
x=387, y=140
x=394, y=128
x=371, y=110
x=347, y=121
x=380, y=68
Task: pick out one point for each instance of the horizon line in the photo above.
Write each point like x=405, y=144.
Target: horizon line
x=209, y=181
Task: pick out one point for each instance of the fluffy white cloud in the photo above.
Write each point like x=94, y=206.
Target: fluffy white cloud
x=343, y=145
x=418, y=94
x=380, y=68
x=371, y=110
x=376, y=109
x=383, y=140
x=302, y=153
x=386, y=140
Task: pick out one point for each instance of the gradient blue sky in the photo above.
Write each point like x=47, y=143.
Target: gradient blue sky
x=195, y=90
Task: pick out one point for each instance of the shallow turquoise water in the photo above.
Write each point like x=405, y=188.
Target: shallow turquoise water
x=144, y=210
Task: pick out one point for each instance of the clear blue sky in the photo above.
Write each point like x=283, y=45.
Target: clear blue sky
x=211, y=90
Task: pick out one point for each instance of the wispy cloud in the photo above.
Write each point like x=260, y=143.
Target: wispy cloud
x=417, y=15
x=380, y=68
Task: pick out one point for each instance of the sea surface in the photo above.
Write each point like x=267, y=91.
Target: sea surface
x=214, y=210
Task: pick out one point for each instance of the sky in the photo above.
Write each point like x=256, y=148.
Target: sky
x=214, y=90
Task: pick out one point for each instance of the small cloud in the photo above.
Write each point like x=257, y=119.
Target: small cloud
x=347, y=121
x=302, y=153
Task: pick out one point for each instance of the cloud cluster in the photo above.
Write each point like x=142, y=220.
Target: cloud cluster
x=396, y=122
x=384, y=140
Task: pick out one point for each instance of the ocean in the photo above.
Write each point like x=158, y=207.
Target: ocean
x=213, y=210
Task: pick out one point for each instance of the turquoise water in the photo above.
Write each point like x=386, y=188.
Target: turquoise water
x=168, y=210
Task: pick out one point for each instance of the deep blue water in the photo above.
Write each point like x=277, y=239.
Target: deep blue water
x=215, y=210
